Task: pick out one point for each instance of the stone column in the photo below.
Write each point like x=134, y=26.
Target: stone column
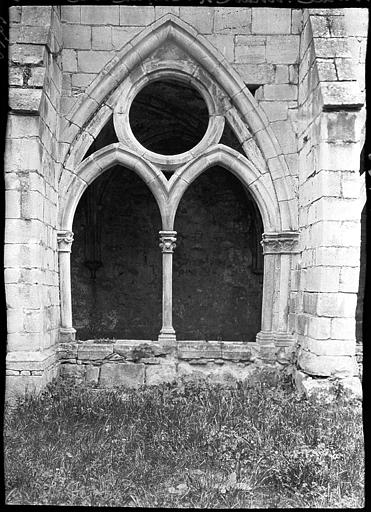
x=167, y=244
x=279, y=250
x=65, y=239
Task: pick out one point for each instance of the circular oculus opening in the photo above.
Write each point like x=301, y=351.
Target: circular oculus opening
x=168, y=117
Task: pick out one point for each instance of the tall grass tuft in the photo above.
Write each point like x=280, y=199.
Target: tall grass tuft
x=184, y=445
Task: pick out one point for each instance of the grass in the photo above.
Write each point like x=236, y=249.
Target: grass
x=183, y=445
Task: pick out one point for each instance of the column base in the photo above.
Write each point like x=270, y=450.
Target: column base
x=270, y=341
x=67, y=334
x=167, y=336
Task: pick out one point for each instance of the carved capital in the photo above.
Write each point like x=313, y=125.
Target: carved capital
x=167, y=241
x=280, y=243
x=64, y=239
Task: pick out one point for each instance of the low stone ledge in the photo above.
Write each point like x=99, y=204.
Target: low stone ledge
x=67, y=350
x=90, y=351
x=199, y=350
x=236, y=351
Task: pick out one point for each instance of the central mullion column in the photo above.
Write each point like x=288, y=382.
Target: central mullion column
x=167, y=244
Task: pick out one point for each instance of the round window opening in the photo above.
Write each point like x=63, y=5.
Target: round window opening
x=168, y=117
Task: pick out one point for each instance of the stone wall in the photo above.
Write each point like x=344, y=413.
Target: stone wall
x=144, y=362
x=31, y=162
x=330, y=103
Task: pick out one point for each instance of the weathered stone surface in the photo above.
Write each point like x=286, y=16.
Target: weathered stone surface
x=250, y=49
x=326, y=366
x=70, y=13
x=130, y=15
x=68, y=350
x=126, y=347
x=224, y=43
x=201, y=19
x=92, y=374
x=77, y=371
x=26, y=53
x=97, y=15
x=280, y=92
x=199, y=349
x=78, y=37
x=236, y=351
x=232, y=20
x=282, y=49
x=268, y=20
x=122, y=35
x=92, y=61
x=160, y=373
x=121, y=374
x=36, y=15
x=256, y=73
x=91, y=351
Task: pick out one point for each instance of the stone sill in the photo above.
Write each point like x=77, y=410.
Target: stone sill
x=148, y=351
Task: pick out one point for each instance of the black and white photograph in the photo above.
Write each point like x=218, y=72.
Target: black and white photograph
x=184, y=254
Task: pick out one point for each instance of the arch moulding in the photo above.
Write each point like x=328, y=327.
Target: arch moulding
x=277, y=207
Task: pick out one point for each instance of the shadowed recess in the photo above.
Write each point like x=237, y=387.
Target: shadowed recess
x=168, y=117
x=217, y=283
x=116, y=261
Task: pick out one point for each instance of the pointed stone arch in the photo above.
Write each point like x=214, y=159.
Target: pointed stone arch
x=94, y=108
x=260, y=187
x=263, y=170
x=73, y=185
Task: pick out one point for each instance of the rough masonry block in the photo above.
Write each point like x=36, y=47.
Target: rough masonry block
x=268, y=20
x=77, y=37
x=100, y=15
x=92, y=61
x=336, y=304
x=282, y=49
x=349, y=279
x=101, y=38
x=326, y=366
x=200, y=18
x=69, y=61
x=325, y=279
x=250, y=49
x=121, y=374
x=160, y=373
x=90, y=351
x=282, y=92
x=256, y=73
x=343, y=329
x=130, y=15
x=276, y=111
x=27, y=53
x=70, y=13
x=36, y=15
x=122, y=35
x=232, y=20
x=319, y=328
x=224, y=43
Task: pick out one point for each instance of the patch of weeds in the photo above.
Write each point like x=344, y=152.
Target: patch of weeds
x=186, y=444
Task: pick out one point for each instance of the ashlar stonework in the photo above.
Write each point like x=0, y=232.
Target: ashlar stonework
x=257, y=266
